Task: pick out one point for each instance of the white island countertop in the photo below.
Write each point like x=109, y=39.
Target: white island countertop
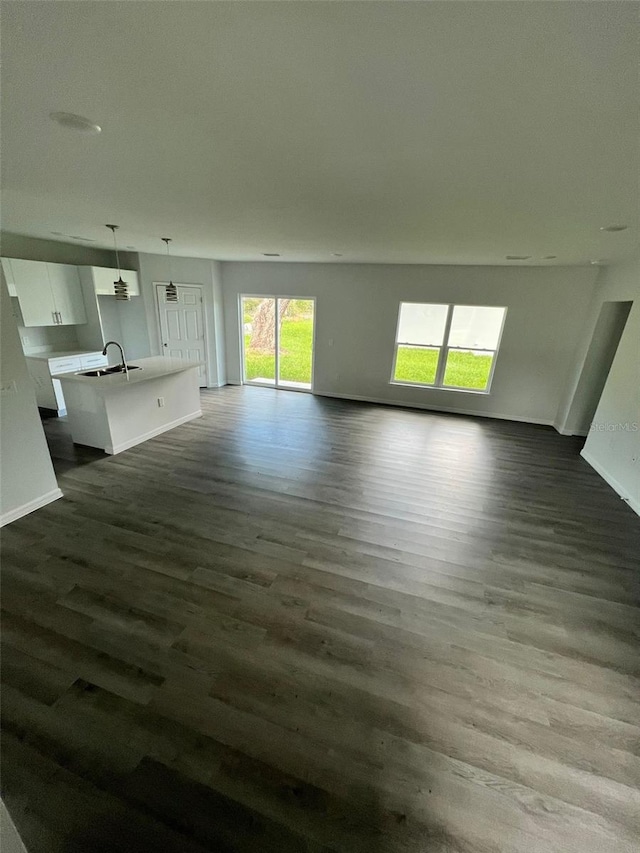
x=148, y=368
x=110, y=413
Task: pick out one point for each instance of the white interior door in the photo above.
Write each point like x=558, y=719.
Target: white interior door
x=182, y=326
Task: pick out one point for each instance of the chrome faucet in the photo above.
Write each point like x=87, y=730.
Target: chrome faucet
x=124, y=361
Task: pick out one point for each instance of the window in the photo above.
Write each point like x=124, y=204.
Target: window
x=447, y=346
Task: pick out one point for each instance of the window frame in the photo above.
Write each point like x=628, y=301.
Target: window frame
x=444, y=349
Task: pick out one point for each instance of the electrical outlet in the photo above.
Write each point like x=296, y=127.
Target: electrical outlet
x=161, y=402
x=8, y=388
x=25, y=341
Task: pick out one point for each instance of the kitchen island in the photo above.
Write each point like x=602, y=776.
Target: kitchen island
x=115, y=412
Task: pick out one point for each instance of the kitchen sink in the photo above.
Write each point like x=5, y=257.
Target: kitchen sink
x=107, y=371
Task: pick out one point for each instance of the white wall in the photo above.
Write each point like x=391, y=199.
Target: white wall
x=53, y=251
x=220, y=377
x=154, y=270
x=10, y=841
x=27, y=479
x=613, y=443
x=37, y=339
x=357, y=310
x=596, y=364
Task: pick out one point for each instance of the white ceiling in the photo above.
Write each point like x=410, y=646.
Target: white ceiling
x=422, y=132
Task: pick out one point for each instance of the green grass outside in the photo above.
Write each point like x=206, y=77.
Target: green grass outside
x=414, y=364
x=464, y=369
x=296, y=338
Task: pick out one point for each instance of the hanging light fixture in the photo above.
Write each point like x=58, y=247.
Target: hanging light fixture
x=171, y=291
x=120, y=287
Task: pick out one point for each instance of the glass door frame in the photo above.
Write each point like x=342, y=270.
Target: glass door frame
x=276, y=383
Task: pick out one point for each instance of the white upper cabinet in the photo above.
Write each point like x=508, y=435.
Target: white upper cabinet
x=103, y=279
x=67, y=294
x=8, y=275
x=49, y=294
x=33, y=290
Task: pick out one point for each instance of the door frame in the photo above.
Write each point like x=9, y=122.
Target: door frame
x=275, y=384
x=205, y=321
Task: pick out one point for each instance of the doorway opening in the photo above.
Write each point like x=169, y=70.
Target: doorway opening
x=277, y=341
x=183, y=330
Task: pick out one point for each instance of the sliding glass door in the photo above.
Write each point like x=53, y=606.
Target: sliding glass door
x=278, y=341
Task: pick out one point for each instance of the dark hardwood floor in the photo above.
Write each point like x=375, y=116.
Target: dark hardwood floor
x=301, y=624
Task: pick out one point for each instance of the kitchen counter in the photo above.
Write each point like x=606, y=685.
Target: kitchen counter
x=45, y=366
x=114, y=414
x=148, y=368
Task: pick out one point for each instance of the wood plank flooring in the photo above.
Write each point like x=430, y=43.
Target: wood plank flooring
x=302, y=624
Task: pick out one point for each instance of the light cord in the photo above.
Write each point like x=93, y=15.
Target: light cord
x=115, y=246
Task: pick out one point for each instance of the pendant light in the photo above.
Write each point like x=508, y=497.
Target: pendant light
x=120, y=287
x=171, y=291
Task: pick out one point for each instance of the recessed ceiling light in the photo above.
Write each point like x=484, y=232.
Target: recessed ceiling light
x=271, y=254
x=75, y=122
x=549, y=257
x=518, y=257
x=614, y=228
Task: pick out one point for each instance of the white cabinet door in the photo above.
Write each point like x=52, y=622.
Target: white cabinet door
x=41, y=378
x=34, y=292
x=8, y=275
x=67, y=294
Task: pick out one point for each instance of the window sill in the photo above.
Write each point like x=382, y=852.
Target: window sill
x=441, y=388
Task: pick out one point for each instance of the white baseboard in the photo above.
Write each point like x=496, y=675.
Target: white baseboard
x=446, y=409
x=30, y=506
x=615, y=485
x=564, y=431
x=112, y=449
